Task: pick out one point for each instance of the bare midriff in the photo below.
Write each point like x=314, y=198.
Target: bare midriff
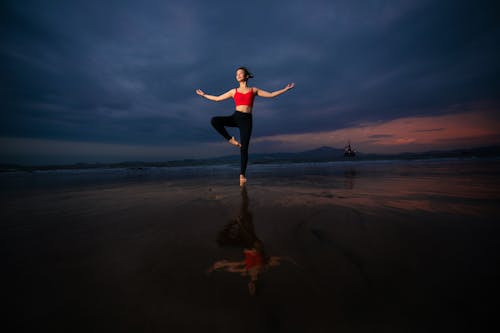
x=244, y=108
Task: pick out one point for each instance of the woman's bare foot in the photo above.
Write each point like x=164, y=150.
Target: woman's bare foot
x=243, y=180
x=234, y=142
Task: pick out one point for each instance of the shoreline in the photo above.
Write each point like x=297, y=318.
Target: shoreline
x=320, y=155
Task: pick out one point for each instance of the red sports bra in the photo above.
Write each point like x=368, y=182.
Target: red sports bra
x=253, y=258
x=244, y=99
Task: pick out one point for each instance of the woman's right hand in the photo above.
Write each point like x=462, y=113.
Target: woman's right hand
x=200, y=92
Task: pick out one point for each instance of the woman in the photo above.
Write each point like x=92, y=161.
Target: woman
x=242, y=117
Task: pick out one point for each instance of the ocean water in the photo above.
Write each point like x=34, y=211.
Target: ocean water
x=433, y=181
x=350, y=169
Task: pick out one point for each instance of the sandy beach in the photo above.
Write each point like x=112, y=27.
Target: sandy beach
x=378, y=247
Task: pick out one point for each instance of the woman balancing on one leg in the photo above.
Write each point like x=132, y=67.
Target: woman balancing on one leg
x=242, y=117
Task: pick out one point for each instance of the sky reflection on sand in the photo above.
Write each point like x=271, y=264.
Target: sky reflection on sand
x=372, y=243
x=376, y=245
x=442, y=188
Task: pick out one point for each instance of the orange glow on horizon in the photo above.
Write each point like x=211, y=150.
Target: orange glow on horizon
x=452, y=131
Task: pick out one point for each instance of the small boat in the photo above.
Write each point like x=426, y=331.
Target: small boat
x=348, y=151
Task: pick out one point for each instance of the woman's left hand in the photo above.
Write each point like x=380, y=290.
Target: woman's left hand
x=290, y=86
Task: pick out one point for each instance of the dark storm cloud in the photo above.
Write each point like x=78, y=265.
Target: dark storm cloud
x=93, y=72
x=125, y=72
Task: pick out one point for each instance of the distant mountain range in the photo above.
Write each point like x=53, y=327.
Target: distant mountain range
x=321, y=154
x=325, y=154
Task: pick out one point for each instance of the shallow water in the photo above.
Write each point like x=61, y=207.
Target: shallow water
x=372, y=246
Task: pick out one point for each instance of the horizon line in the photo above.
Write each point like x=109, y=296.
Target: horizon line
x=457, y=150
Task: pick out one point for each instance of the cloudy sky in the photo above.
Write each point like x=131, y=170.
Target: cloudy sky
x=109, y=81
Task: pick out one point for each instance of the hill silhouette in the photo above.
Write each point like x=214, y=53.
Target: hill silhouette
x=321, y=154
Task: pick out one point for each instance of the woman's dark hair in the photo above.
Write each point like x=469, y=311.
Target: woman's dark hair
x=247, y=72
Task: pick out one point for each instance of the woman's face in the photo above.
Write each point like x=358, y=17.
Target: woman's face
x=240, y=75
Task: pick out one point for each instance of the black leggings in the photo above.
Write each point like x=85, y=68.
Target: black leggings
x=243, y=121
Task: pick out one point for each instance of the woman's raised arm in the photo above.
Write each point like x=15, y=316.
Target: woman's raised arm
x=219, y=98
x=229, y=266
x=263, y=93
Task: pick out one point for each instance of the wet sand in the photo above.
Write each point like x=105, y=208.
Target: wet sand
x=410, y=247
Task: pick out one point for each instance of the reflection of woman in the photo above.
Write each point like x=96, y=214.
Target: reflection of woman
x=242, y=117
x=255, y=263
x=240, y=232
